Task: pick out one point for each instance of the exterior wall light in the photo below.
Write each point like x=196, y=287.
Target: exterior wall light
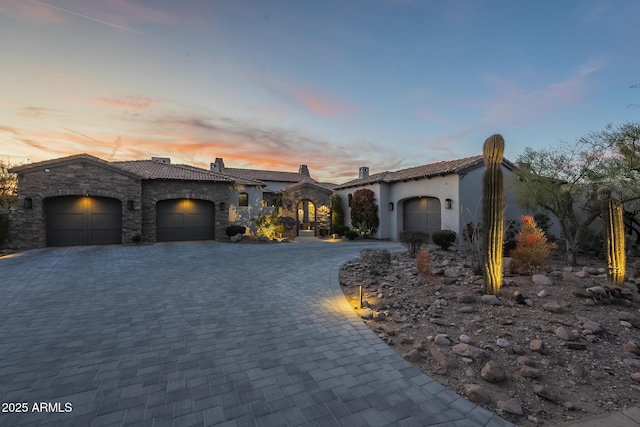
x=130, y=205
x=28, y=203
x=221, y=206
x=390, y=206
x=447, y=203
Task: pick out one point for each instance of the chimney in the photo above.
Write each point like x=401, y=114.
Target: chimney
x=363, y=172
x=304, y=170
x=163, y=160
x=218, y=165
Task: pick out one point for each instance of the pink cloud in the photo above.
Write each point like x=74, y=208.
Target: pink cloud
x=128, y=102
x=322, y=104
x=319, y=102
x=516, y=106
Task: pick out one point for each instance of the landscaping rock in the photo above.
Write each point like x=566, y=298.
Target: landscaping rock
x=541, y=280
x=512, y=406
x=466, y=350
x=476, y=393
x=493, y=372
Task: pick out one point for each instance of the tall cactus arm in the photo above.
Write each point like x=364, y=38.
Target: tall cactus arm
x=493, y=213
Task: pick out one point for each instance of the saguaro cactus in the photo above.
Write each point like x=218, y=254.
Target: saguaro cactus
x=614, y=227
x=493, y=213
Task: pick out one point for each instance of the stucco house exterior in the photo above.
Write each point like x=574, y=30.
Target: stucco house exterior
x=302, y=202
x=81, y=199
x=431, y=197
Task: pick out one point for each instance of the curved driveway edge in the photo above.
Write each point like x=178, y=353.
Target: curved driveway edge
x=203, y=333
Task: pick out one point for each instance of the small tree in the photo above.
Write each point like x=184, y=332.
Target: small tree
x=561, y=180
x=337, y=214
x=364, y=209
x=8, y=187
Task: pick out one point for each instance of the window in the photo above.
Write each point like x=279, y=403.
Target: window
x=349, y=199
x=243, y=199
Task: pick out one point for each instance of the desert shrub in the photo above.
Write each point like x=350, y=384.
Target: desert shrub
x=591, y=241
x=377, y=260
x=351, y=234
x=509, y=242
x=543, y=221
x=444, y=238
x=423, y=263
x=269, y=225
x=473, y=236
x=234, y=229
x=532, y=247
x=340, y=229
x=413, y=241
x=288, y=222
x=363, y=230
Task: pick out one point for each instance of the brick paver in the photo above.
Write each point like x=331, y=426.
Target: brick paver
x=203, y=333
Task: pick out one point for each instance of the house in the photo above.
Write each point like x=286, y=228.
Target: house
x=436, y=196
x=84, y=200
x=302, y=202
x=81, y=199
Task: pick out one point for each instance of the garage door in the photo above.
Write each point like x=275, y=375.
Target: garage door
x=422, y=214
x=185, y=219
x=76, y=220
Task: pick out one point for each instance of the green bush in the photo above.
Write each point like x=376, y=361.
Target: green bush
x=269, y=225
x=340, y=229
x=351, y=234
x=232, y=230
x=413, y=241
x=444, y=238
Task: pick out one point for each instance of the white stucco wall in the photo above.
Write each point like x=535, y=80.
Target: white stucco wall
x=440, y=187
x=344, y=195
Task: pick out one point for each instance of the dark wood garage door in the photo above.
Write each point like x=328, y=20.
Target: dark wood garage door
x=82, y=220
x=185, y=219
x=422, y=214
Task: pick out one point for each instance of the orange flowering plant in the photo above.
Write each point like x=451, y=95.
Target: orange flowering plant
x=532, y=247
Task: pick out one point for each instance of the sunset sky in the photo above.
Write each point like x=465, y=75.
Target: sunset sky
x=332, y=84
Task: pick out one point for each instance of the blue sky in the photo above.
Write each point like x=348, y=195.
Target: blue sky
x=333, y=84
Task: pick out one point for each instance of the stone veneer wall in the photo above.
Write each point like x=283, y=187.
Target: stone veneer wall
x=155, y=190
x=27, y=228
x=319, y=198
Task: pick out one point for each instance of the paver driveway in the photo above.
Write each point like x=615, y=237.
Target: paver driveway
x=203, y=333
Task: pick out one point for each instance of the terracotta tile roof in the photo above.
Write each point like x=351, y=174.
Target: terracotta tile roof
x=149, y=169
x=84, y=157
x=236, y=179
x=446, y=167
x=265, y=175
